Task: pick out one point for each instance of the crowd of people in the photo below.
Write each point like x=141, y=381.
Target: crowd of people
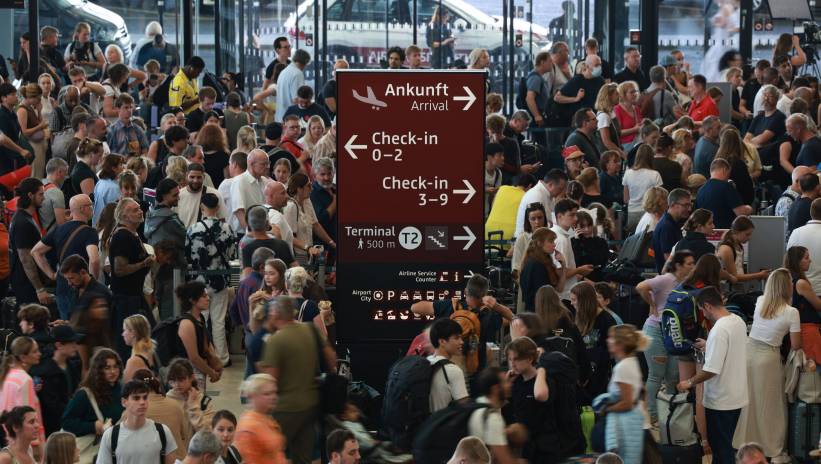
x=116, y=222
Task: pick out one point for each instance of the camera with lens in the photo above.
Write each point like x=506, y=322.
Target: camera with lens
x=812, y=33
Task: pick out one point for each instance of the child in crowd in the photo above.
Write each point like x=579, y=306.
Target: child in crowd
x=605, y=296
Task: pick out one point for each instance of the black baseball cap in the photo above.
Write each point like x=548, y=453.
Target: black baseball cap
x=64, y=334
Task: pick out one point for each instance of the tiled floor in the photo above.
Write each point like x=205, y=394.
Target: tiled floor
x=225, y=393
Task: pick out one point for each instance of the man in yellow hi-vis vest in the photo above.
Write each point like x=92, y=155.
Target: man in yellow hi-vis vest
x=183, y=89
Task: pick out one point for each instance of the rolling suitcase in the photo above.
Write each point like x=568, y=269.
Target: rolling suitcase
x=804, y=429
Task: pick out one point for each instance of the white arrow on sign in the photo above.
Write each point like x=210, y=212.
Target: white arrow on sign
x=470, y=98
x=469, y=238
x=350, y=147
x=468, y=275
x=469, y=191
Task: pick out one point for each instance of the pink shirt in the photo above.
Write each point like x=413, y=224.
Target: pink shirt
x=660, y=288
x=18, y=390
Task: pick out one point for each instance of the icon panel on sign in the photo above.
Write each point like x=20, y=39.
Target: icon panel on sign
x=436, y=238
x=378, y=295
x=404, y=296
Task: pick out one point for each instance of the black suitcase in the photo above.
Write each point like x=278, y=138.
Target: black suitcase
x=672, y=454
x=8, y=313
x=804, y=428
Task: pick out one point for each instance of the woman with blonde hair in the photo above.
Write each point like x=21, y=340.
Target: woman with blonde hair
x=654, y=204
x=625, y=422
x=259, y=437
x=34, y=127
x=608, y=133
x=683, y=146
x=82, y=52
x=637, y=181
x=137, y=335
x=215, y=151
x=61, y=448
x=176, y=168
x=313, y=132
x=246, y=139
x=542, y=265
x=628, y=113
x=17, y=385
x=763, y=420
x=47, y=103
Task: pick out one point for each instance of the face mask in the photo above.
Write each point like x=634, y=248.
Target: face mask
x=596, y=72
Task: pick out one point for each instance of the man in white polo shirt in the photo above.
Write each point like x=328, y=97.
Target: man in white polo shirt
x=545, y=192
x=807, y=237
x=246, y=189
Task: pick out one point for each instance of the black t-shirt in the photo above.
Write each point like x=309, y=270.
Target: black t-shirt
x=58, y=238
x=93, y=291
x=10, y=127
x=23, y=235
x=128, y=245
x=588, y=199
x=810, y=154
x=305, y=114
x=748, y=92
x=538, y=417
x=639, y=77
x=775, y=122
x=799, y=213
x=721, y=198
x=328, y=91
x=571, y=89
x=81, y=172
x=215, y=164
x=279, y=247
x=670, y=172
x=269, y=71
x=196, y=119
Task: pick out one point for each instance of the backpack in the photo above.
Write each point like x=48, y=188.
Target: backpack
x=437, y=438
x=209, y=79
x=169, y=345
x=471, y=331
x=115, y=435
x=407, y=397
x=676, y=418
x=160, y=96
x=11, y=205
x=646, y=104
x=679, y=321
x=59, y=146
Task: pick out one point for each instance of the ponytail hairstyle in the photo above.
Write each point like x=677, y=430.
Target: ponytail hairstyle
x=13, y=420
x=730, y=238
x=296, y=182
x=88, y=146
x=147, y=377
x=777, y=293
x=20, y=347
x=630, y=338
x=792, y=261
x=699, y=218
x=143, y=344
x=648, y=128
x=677, y=259
x=535, y=251
x=587, y=306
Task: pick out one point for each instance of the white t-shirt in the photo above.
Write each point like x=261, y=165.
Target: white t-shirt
x=141, y=446
x=275, y=218
x=565, y=247
x=627, y=371
x=726, y=356
x=603, y=120
x=225, y=191
x=647, y=223
x=488, y=425
x=772, y=331
x=638, y=182
x=443, y=392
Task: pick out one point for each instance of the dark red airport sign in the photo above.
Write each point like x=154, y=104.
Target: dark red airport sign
x=410, y=179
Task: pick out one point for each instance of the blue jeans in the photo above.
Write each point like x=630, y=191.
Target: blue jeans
x=720, y=429
x=65, y=303
x=662, y=368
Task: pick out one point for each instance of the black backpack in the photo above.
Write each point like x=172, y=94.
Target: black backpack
x=437, y=438
x=160, y=96
x=209, y=79
x=115, y=435
x=169, y=344
x=407, y=397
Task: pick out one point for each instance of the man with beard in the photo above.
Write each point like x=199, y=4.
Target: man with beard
x=161, y=224
x=188, y=208
x=61, y=116
x=323, y=195
x=24, y=234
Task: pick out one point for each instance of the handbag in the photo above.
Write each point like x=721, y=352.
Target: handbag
x=333, y=388
x=809, y=386
x=89, y=444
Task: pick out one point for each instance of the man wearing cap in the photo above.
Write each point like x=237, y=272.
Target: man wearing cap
x=273, y=137
x=573, y=161
x=59, y=375
x=584, y=137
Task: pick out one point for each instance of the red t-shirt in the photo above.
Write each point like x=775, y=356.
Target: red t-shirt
x=700, y=110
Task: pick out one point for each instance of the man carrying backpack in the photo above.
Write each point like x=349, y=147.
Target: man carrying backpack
x=479, y=315
x=137, y=439
x=448, y=382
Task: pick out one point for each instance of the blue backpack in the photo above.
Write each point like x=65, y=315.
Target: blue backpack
x=679, y=320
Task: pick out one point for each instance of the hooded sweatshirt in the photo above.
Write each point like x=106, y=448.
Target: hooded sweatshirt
x=162, y=223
